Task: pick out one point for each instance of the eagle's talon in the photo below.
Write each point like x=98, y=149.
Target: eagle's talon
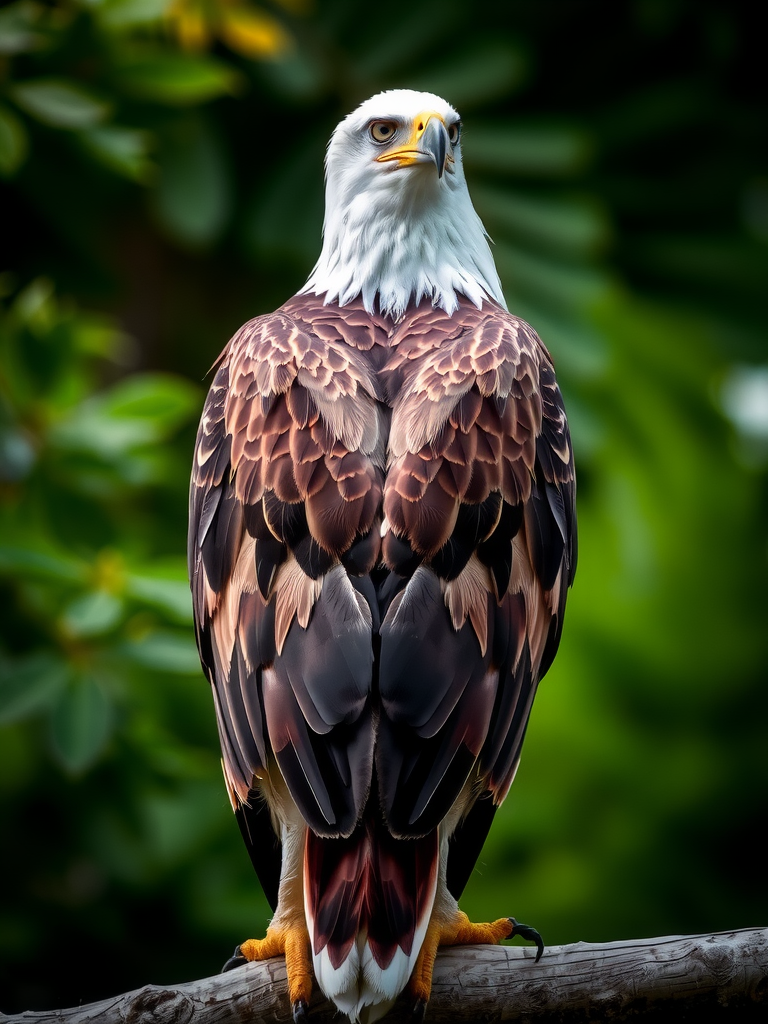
x=525, y=931
x=300, y=1011
x=236, y=960
x=418, y=1011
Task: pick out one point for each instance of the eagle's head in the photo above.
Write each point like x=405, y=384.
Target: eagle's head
x=399, y=223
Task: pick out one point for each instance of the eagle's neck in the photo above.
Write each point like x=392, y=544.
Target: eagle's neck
x=393, y=247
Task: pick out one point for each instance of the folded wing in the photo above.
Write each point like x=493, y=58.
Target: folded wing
x=285, y=490
x=479, y=507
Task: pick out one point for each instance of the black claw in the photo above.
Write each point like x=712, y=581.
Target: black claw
x=526, y=932
x=418, y=1011
x=236, y=960
x=300, y=1011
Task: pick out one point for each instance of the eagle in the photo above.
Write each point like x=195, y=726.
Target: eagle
x=382, y=535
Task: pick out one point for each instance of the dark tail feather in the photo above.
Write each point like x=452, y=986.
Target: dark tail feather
x=370, y=881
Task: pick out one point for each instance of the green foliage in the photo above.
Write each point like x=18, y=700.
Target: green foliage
x=95, y=587
x=98, y=649
x=162, y=165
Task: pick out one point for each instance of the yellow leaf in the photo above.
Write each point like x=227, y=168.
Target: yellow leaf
x=191, y=30
x=253, y=33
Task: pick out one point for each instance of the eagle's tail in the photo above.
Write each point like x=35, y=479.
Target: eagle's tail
x=368, y=902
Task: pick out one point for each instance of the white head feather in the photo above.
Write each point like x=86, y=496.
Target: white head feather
x=399, y=233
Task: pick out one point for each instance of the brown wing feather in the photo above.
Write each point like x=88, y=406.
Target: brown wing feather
x=478, y=550
x=480, y=494
x=286, y=480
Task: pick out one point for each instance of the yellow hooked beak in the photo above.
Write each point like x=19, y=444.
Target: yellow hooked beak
x=429, y=143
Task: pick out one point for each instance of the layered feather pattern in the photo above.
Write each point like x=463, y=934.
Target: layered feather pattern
x=379, y=578
x=382, y=536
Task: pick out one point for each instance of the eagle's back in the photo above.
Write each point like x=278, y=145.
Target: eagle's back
x=382, y=534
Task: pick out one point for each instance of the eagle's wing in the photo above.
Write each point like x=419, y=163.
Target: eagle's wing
x=285, y=491
x=480, y=494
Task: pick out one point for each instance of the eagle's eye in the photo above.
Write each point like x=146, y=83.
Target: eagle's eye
x=382, y=131
x=454, y=132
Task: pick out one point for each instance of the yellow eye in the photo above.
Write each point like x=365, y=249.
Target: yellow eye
x=454, y=132
x=382, y=131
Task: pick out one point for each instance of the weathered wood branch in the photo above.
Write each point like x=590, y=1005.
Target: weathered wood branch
x=673, y=978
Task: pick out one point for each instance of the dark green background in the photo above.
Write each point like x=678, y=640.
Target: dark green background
x=163, y=183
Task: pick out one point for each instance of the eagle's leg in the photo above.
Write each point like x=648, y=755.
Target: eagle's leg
x=460, y=931
x=291, y=941
x=287, y=933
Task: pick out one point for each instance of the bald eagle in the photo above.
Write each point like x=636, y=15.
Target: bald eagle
x=382, y=535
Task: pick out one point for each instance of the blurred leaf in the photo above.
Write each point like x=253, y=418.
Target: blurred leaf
x=253, y=33
x=34, y=304
x=29, y=683
x=161, y=587
x=99, y=335
x=91, y=428
x=744, y=400
x=581, y=353
x=474, y=74
x=41, y=561
x=124, y=150
x=296, y=73
x=193, y=194
x=92, y=614
x=572, y=227
x=60, y=103
x=17, y=28
x=169, y=652
x=177, y=79
x=138, y=411
x=160, y=399
x=120, y=15
x=81, y=722
x=532, y=151
x=744, y=395
x=17, y=454
x=13, y=143
x=556, y=285
x=177, y=823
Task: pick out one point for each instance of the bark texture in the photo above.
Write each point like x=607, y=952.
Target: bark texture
x=723, y=976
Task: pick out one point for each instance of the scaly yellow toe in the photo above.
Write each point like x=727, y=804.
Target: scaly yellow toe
x=293, y=943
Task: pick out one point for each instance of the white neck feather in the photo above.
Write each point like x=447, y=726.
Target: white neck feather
x=396, y=236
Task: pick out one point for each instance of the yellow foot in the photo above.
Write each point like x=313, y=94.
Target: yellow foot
x=293, y=943
x=461, y=932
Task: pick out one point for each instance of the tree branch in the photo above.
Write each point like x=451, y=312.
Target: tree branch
x=672, y=978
